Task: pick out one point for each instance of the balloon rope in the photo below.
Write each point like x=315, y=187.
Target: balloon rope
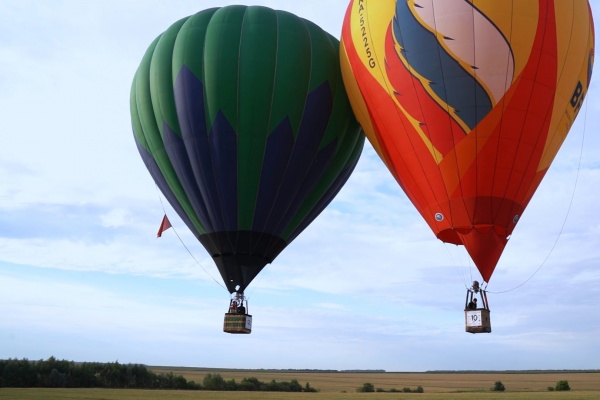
x=458, y=265
x=255, y=284
x=568, y=209
x=188, y=250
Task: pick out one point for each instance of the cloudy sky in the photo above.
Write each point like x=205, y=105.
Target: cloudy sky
x=83, y=276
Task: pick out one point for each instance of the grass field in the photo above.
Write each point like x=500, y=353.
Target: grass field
x=127, y=394
x=337, y=386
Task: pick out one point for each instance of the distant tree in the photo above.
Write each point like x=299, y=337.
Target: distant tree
x=251, y=384
x=45, y=368
x=293, y=386
x=551, y=388
x=231, y=385
x=61, y=373
x=285, y=386
x=56, y=379
x=191, y=385
x=562, y=385
x=419, y=389
x=308, y=388
x=366, y=388
x=213, y=382
x=498, y=387
x=18, y=373
x=84, y=375
x=179, y=382
x=112, y=375
x=139, y=376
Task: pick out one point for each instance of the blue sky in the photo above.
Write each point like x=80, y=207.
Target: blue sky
x=83, y=276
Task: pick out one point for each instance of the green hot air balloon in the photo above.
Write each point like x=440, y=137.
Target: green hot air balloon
x=241, y=117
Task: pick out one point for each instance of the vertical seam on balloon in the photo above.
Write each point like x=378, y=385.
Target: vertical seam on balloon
x=155, y=100
x=400, y=153
x=138, y=112
x=274, y=199
x=271, y=237
x=476, y=129
x=545, y=22
x=146, y=81
x=218, y=192
x=474, y=132
x=562, y=69
x=206, y=138
x=501, y=123
x=195, y=219
x=450, y=125
x=155, y=124
x=153, y=118
x=528, y=105
x=260, y=235
x=200, y=199
x=548, y=111
x=237, y=132
x=565, y=61
x=157, y=105
x=311, y=56
x=447, y=110
x=257, y=194
x=179, y=172
x=330, y=191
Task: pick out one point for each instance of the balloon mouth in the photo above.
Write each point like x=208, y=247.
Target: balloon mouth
x=484, y=243
x=238, y=270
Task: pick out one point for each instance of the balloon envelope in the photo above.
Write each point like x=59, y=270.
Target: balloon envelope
x=241, y=117
x=467, y=103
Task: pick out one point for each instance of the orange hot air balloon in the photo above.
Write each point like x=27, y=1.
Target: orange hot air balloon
x=467, y=102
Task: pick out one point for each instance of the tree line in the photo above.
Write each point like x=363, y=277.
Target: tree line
x=53, y=373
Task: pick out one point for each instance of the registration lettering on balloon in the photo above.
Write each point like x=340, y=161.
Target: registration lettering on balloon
x=364, y=24
x=577, y=98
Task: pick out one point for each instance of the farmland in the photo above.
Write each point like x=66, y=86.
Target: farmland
x=343, y=385
x=336, y=382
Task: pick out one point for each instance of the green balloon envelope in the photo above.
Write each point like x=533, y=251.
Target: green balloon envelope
x=241, y=117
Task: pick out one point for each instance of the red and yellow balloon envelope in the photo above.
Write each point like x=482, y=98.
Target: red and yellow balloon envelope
x=467, y=102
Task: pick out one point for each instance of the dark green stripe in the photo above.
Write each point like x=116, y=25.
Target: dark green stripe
x=258, y=58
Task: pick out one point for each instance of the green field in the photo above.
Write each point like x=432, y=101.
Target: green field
x=128, y=394
x=343, y=385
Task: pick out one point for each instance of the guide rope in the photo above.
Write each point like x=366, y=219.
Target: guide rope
x=566, y=215
x=184, y=245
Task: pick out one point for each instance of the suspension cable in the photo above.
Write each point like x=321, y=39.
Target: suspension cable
x=566, y=215
x=184, y=245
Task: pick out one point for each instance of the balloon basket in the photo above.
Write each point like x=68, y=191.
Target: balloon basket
x=478, y=321
x=237, y=323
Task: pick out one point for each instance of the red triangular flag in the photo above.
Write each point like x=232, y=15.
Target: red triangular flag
x=164, y=225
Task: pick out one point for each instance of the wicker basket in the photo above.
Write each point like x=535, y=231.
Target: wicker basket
x=478, y=321
x=237, y=323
